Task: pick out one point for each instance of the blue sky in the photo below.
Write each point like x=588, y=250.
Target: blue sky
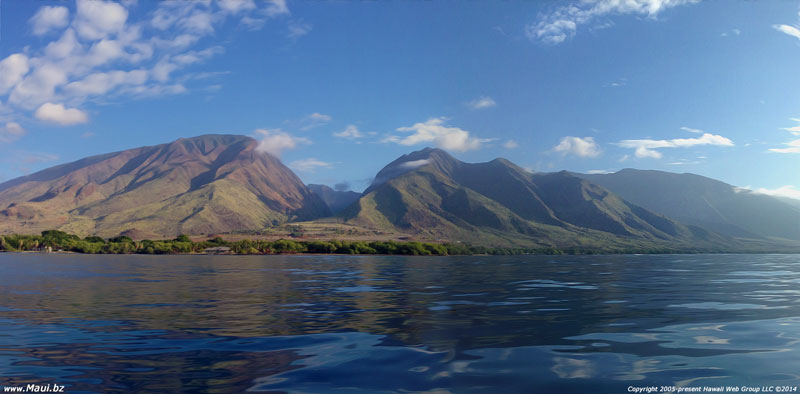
x=339, y=89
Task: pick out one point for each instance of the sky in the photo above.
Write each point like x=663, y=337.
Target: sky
x=338, y=89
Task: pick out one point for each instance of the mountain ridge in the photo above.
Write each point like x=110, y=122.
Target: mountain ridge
x=706, y=202
x=430, y=192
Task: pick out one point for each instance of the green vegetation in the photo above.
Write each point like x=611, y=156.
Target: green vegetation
x=53, y=240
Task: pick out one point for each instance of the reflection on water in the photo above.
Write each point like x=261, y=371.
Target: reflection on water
x=388, y=324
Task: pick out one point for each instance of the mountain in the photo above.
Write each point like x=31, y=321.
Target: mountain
x=335, y=199
x=712, y=204
x=207, y=184
x=430, y=193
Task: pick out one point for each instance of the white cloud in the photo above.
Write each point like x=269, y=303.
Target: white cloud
x=49, y=18
x=646, y=148
x=582, y=147
x=271, y=9
x=793, y=147
x=434, y=130
x=192, y=57
x=683, y=163
x=309, y=165
x=562, y=22
x=481, y=103
x=350, y=132
x=97, y=19
x=236, y=6
x=65, y=46
x=102, y=83
x=104, y=49
x=599, y=172
x=691, y=130
x=414, y=164
x=39, y=86
x=510, y=144
x=160, y=72
x=298, y=29
x=790, y=30
x=276, y=141
x=56, y=113
x=275, y=8
x=198, y=22
x=794, y=130
x=12, y=69
x=11, y=132
x=787, y=191
x=313, y=121
x=616, y=84
x=734, y=31
x=153, y=90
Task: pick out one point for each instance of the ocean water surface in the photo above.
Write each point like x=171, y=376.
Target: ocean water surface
x=375, y=324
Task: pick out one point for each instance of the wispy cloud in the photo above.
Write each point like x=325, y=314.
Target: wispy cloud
x=276, y=141
x=684, y=162
x=350, y=132
x=795, y=130
x=12, y=131
x=313, y=121
x=309, y=165
x=787, y=191
x=793, y=147
x=735, y=32
x=691, y=130
x=581, y=147
x=788, y=29
x=298, y=28
x=481, y=103
x=410, y=165
x=436, y=131
x=562, y=22
x=617, y=84
x=510, y=144
x=647, y=147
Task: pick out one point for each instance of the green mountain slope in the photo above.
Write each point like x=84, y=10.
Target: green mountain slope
x=431, y=193
x=705, y=202
x=201, y=185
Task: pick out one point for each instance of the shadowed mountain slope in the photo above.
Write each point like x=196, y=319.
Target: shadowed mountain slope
x=715, y=205
x=335, y=199
x=206, y=184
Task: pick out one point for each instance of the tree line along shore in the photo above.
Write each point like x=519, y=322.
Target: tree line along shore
x=59, y=241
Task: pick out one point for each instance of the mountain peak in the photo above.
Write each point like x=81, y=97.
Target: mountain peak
x=438, y=158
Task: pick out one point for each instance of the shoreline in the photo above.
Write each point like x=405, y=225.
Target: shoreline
x=587, y=253
x=54, y=241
